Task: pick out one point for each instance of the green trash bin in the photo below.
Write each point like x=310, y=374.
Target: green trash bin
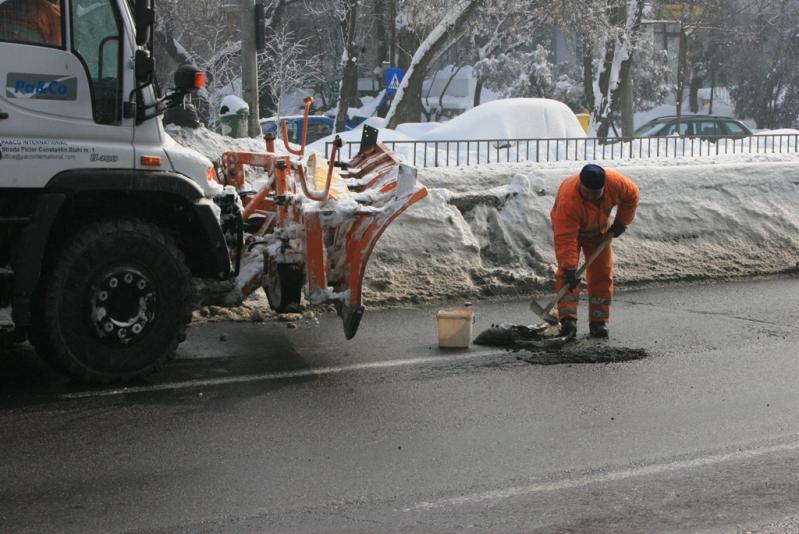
x=234, y=116
x=235, y=124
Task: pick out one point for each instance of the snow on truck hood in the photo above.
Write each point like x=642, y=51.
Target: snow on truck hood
x=191, y=164
x=189, y=149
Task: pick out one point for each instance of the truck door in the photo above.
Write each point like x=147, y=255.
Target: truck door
x=63, y=70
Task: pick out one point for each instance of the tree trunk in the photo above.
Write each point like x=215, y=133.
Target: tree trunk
x=392, y=32
x=682, y=63
x=602, y=109
x=627, y=104
x=249, y=67
x=588, y=73
x=381, y=29
x=349, y=80
x=693, y=95
x=407, y=102
x=617, y=64
x=712, y=90
x=444, y=90
x=406, y=40
x=478, y=91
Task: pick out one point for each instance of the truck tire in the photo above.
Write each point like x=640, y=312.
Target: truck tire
x=115, y=303
x=282, y=284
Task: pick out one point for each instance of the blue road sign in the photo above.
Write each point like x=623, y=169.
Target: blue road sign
x=393, y=78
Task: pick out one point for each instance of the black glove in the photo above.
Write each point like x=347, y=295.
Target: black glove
x=617, y=228
x=571, y=278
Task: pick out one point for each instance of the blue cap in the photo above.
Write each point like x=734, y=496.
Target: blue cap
x=592, y=176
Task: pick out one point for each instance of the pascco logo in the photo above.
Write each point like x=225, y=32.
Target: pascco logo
x=41, y=86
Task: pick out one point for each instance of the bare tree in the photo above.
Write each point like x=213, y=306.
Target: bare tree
x=608, y=32
x=216, y=49
x=406, y=106
x=501, y=28
x=347, y=19
x=285, y=65
x=619, y=46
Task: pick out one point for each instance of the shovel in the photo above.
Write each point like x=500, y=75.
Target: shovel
x=547, y=313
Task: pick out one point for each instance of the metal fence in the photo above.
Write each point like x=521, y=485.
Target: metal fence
x=485, y=151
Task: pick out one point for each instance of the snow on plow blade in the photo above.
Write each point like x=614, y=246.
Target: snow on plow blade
x=311, y=228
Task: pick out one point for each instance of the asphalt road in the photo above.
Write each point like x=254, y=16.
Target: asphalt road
x=283, y=430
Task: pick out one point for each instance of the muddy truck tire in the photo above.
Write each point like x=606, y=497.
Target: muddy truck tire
x=282, y=284
x=115, y=304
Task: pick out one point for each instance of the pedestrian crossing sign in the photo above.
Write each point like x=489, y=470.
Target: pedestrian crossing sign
x=393, y=80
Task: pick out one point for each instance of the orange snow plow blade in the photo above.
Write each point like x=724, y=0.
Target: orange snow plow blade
x=311, y=228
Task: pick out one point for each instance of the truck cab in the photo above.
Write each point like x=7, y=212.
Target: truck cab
x=104, y=219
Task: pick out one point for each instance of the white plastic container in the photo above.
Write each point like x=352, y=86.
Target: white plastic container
x=455, y=328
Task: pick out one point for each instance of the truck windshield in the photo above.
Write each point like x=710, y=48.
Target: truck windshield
x=96, y=39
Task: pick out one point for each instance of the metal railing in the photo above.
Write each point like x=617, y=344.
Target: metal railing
x=486, y=151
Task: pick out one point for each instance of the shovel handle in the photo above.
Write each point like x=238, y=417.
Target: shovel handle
x=559, y=295
x=602, y=246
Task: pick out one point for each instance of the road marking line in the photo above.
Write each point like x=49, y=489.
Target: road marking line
x=654, y=469
x=280, y=375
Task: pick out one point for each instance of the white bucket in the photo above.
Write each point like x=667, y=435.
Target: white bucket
x=455, y=328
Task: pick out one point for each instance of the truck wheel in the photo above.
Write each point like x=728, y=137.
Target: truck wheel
x=115, y=304
x=282, y=283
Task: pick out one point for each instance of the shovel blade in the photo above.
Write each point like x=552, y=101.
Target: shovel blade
x=543, y=313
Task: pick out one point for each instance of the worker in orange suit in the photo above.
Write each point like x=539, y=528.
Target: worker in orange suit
x=31, y=21
x=580, y=220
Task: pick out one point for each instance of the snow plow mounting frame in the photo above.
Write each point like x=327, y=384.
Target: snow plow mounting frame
x=318, y=235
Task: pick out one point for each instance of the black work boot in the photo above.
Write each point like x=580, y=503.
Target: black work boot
x=598, y=329
x=568, y=327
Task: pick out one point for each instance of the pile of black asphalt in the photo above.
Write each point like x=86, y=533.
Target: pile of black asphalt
x=545, y=348
x=588, y=351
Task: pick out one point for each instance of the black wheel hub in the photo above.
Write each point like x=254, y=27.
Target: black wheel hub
x=122, y=305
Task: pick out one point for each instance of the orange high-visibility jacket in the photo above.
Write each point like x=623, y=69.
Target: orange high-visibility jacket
x=575, y=219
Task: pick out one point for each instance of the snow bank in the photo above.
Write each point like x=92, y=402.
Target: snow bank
x=511, y=118
x=417, y=130
x=486, y=230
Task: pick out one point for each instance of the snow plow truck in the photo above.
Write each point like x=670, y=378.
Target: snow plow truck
x=107, y=224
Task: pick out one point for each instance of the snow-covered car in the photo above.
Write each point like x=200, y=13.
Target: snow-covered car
x=708, y=127
x=510, y=118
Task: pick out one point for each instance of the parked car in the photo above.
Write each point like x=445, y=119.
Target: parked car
x=709, y=127
x=319, y=126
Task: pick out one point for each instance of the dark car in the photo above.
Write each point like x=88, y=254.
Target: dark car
x=709, y=127
x=319, y=126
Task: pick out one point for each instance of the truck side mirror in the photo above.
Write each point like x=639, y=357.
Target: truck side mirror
x=144, y=66
x=144, y=16
x=189, y=78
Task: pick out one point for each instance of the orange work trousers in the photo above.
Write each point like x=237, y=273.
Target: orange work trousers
x=600, y=286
